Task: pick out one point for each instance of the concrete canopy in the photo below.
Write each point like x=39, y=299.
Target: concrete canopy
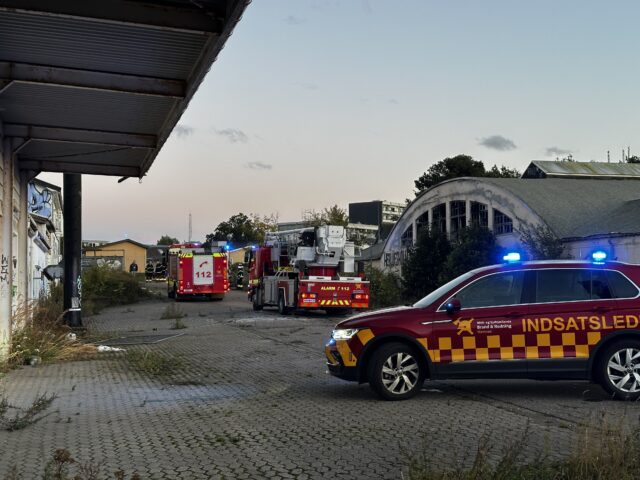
x=97, y=87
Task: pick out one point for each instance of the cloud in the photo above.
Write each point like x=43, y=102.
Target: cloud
x=234, y=135
x=497, y=142
x=258, y=166
x=308, y=86
x=183, y=130
x=556, y=152
x=293, y=20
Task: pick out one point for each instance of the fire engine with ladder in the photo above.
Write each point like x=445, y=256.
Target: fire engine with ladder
x=300, y=270
x=196, y=269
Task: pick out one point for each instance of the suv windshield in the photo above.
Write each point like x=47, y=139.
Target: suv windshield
x=437, y=293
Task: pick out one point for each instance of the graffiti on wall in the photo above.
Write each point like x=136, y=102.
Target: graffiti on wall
x=395, y=258
x=40, y=201
x=4, y=269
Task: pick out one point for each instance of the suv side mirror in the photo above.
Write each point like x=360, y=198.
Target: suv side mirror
x=453, y=306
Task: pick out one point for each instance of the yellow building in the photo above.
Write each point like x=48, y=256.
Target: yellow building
x=123, y=252
x=238, y=255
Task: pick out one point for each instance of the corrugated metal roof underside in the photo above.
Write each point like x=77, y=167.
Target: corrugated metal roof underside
x=551, y=168
x=105, y=120
x=36, y=104
x=579, y=207
x=106, y=47
x=42, y=155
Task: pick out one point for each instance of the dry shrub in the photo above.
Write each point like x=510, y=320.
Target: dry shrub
x=40, y=336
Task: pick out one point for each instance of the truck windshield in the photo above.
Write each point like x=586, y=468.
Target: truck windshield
x=437, y=293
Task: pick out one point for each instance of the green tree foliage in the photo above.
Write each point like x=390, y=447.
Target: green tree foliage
x=460, y=166
x=502, y=172
x=475, y=247
x=329, y=216
x=384, y=288
x=423, y=266
x=542, y=243
x=167, y=240
x=243, y=229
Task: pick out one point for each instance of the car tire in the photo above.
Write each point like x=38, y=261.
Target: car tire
x=618, y=370
x=396, y=372
x=254, y=302
x=282, y=308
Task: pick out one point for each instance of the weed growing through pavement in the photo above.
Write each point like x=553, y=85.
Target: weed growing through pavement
x=172, y=311
x=178, y=324
x=16, y=418
x=603, y=451
x=154, y=363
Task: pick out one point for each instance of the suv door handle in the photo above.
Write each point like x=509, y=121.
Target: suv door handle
x=601, y=309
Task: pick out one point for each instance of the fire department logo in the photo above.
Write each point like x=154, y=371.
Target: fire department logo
x=464, y=326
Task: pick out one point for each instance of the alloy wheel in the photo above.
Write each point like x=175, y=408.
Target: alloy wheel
x=400, y=373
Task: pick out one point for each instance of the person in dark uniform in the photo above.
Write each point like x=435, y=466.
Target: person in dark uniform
x=148, y=271
x=133, y=268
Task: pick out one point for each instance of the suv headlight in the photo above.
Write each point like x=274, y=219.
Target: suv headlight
x=344, y=333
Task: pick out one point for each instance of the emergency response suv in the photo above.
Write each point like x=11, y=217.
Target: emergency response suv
x=539, y=320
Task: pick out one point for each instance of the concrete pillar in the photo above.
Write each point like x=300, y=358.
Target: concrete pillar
x=23, y=240
x=6, y=265
x=490, y=217
x=414, y=226
x=467, y=212
x=72, y=207
x=448, y=217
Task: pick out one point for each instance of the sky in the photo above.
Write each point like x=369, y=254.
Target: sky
x=313, y=103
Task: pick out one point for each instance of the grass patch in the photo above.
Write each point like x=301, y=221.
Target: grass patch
x=603, y=451
x=15, y=418
x=154, y=363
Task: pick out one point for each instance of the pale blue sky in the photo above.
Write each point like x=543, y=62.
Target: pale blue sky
x=313, y=103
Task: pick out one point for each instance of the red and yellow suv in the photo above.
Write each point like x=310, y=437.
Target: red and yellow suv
x=540, y=320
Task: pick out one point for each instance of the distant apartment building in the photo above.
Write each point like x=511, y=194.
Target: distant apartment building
x=380, y=213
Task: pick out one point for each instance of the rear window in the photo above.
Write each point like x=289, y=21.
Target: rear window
x=621, y=286
x=493, y=291
x=570, y=285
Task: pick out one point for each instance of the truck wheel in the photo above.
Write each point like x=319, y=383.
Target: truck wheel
x=254, y=301
x=619, y=370
x=282, y=308
x=395, y=372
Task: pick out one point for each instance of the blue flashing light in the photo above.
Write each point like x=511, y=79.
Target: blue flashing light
x=227, y=247
x=511, y=257
x=599, y=256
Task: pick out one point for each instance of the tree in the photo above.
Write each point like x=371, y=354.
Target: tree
x=502, y=172
x=542, y=243
x=450, y=167
x=167, y=240
x=242, y=230
x=329, y=216
x=383, y=287
x=475, y=247
x=460, y=166
x=423, y=265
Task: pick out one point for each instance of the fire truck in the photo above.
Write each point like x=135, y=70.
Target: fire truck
x=196, y=269
x=300, y=270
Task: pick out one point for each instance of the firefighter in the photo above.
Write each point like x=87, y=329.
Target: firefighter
x=133, y=268
x=148, y=271
x=160, y=271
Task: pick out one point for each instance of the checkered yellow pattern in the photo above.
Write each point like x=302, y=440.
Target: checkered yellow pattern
x=508, y=347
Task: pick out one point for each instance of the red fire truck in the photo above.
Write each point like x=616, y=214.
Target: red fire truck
x=196, y=269
x=300, y=269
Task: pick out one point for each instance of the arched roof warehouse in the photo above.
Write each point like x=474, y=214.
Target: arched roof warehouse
x=573, y=209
